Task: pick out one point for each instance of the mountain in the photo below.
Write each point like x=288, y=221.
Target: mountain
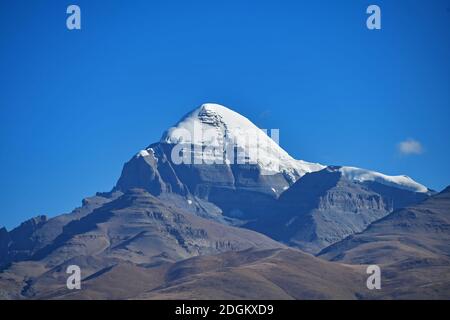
x=421, y=230
x=135, y=228
x=19, y=243
x=204, y=212
x=412, y=245
x=24, y=241
x=252, y=182
x=138, y=227
x=326, y=206
x=214, y=154
x=247, y=274
x=198, y=160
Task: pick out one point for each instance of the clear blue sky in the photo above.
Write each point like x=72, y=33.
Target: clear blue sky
x=75, y=105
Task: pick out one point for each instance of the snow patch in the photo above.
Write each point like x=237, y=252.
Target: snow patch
x=143, y=153
x=402, y=182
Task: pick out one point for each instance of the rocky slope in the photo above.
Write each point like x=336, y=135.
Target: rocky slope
x=412, y=245
x=325, y=207
x=248, y=274
x=24, y=241
x=421, y=230
x=136, y=228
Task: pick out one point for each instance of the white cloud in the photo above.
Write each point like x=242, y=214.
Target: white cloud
x=410, y=146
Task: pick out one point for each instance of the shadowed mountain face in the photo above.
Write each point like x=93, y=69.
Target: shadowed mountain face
x=324, y=207
x=417, y=231
x=412, y=245
x=19, y=243
x=238, y=191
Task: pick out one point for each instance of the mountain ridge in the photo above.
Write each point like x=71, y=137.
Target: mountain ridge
x=229, y=193
x=175, y=225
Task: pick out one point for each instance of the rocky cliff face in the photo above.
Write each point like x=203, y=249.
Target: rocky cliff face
x=21, y=241
x=414, y=232
x=410, y=245
x=240, y=191
x=325, y=207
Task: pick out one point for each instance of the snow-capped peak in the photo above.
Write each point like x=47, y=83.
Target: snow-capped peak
x=206, y=117
x=216, y=126
x=213, y=126
x=362, y=175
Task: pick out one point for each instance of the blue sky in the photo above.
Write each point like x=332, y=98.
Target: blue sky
x=75, y=105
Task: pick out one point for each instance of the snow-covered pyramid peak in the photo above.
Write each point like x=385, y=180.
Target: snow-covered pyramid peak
x=216, y=126
x=208, y=116
x=213, y=130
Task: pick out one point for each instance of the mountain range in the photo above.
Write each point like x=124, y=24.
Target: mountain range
x=217, y=209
